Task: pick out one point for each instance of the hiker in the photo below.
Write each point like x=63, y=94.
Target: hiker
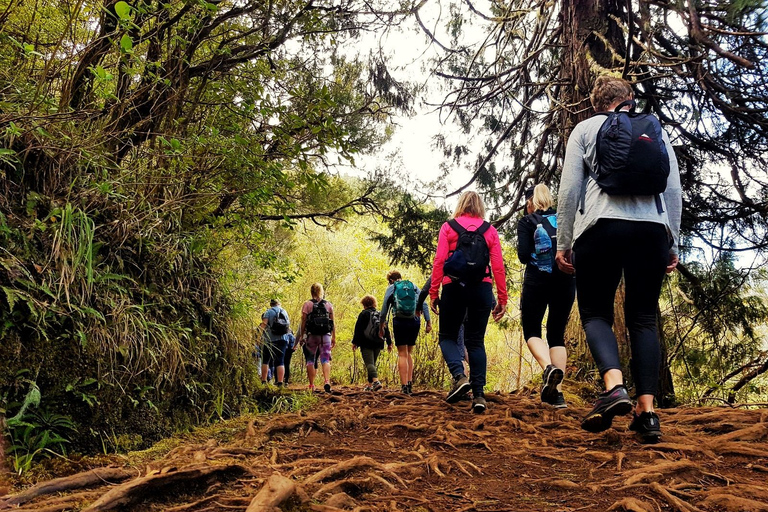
x=275, y=325
x=467, y=262
x=544, y=286
x=292, y=343
x=401, y=297
x=366, y=337
x=630, y=229
x=318, y=333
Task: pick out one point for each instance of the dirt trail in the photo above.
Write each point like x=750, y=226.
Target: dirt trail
x=384, y=451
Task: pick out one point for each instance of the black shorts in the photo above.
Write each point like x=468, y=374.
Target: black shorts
x=406, y=330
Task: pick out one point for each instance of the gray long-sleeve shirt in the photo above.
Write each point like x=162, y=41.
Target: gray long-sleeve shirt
x=580, y=155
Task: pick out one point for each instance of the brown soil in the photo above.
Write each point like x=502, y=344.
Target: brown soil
x=384, y=451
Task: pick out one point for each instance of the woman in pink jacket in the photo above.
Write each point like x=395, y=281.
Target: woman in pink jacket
x=467, y=263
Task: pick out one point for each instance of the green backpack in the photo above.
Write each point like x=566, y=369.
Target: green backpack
x=405, y=299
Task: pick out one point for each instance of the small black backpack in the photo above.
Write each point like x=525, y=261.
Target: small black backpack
x=468, y=263
x=319, y=321
x=280, y=324
x=632, y=158
x=371, y=330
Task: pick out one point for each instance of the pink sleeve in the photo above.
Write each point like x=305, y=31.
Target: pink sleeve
x=307, y=307
x=497, y=265
x=437, y=265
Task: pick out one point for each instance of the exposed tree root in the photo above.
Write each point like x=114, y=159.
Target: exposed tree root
x=98, y=476
x=369, y=452
x=675, y=502
x=275, y=492
x=631, y=505
x=731, y=503
x=158, y=484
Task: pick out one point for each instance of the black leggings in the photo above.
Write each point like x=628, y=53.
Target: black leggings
x=556, y=291
x=639, y=250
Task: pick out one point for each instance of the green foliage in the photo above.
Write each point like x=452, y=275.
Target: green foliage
x=412, y=233
x=35, y=432
x=141, y=147
x=711, y=319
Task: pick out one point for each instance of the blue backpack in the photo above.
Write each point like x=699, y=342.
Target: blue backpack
x=632, y=158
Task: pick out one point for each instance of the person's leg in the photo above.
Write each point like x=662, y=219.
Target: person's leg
x=533, y=304
x=409, y=349
x=597, y=277
x=287, y=360
x=267, y=351
x=560, y=304
x=480, y=301
x=598, y=261
x=643, y=277
x=369, y=360
x=310, y=355
x=402, y=363
x=278, y=360
x=325, y=359
x=452, y=311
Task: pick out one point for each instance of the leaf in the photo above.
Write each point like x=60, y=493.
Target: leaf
x=123, y=10
x=10, y=296
x=126, y=43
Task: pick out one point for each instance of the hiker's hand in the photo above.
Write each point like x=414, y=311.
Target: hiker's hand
x=354, y=347
x=389, y=348
x=428, y=328
x=434, y=306
x=498, y=312
x=418, y=312
x=333, y=342
x=563, y=260
x=673, y=261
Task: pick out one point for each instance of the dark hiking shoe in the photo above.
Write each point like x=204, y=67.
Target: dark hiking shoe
x=478, y=405
x=410, y=388
x=458, y=390
x=550, y=379
x=647, y=427
x=327, y=387
x=376, y=386
x=609, y=404
x=279, y=384
x=368, y=388
x=558, y=401
x=404, y=389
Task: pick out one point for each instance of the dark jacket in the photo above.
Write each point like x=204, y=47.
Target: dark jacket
x=359, y=339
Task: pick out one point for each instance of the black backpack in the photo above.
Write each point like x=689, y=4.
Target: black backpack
x=468, y=263
x=280, y=324
x=632, y=158
x=371, y=331
x=319, y=321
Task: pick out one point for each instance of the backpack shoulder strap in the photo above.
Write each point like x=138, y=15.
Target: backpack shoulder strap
x=458, y=228
x=485, y=226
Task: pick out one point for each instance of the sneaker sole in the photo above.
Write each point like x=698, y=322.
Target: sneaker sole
x=602, y=421
x=478, y=409
x=554, y=379
x=462, y=390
